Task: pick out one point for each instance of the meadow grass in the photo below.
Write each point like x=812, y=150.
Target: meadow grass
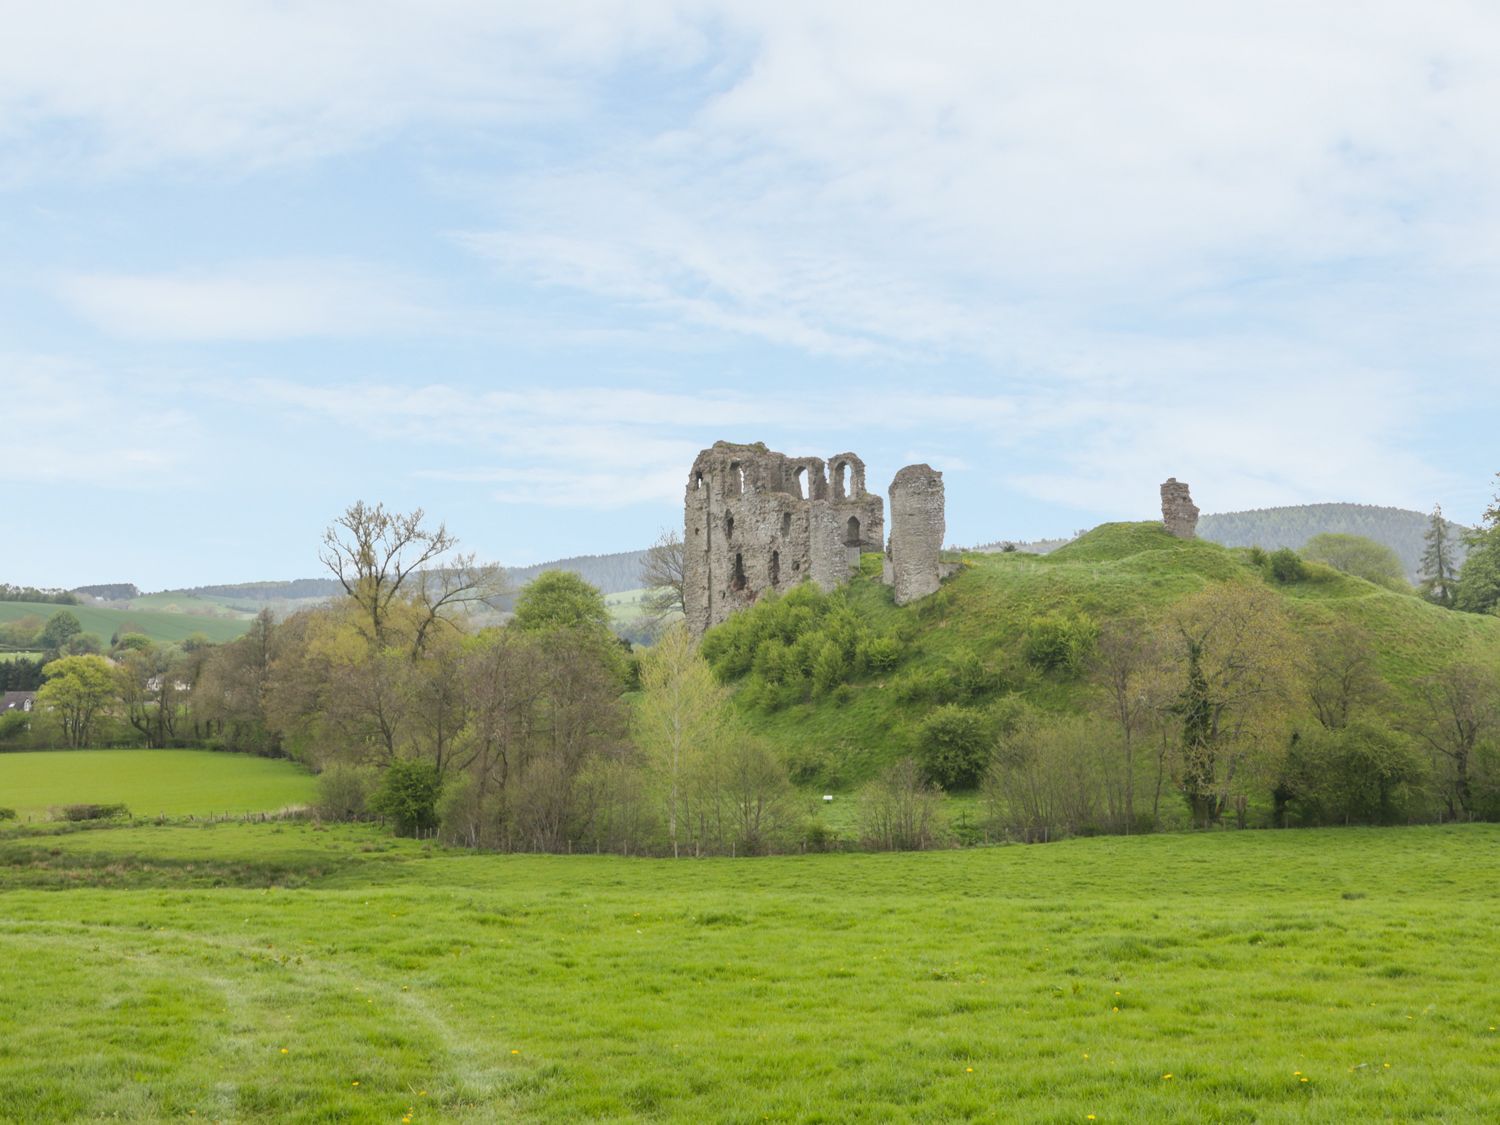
x=154, y=623
x=173, y=782
x=337, y=975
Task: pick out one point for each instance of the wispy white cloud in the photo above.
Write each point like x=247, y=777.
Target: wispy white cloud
x=250, y=301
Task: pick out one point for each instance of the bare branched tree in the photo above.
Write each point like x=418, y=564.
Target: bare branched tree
x=382, y=557
x=661, y=574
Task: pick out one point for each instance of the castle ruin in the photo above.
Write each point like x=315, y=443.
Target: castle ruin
x=758, y=520
x=1179, y=515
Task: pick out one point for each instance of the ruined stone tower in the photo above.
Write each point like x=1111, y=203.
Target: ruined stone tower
x=1179, y=515
x=757, y=520
x=913, y=564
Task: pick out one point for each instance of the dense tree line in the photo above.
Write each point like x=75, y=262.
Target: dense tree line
x=9, y=593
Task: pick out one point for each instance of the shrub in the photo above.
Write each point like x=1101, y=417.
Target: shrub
x=7, y=814
x=344, y=792
x=408, y=796
x=953, y=746
x=1286, y=566
x=1060, y=642
x=898, y=810
x=92, y=812
x=882, y=653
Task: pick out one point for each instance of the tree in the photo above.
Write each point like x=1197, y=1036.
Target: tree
x=1339, y=673
x=1439, y=574
x=152, y=687
x=1361, y=773
x=559, y=599
x=61, y=627
x=1361, y=557
x=681, y=713
x=408, y=795
x=1457, y=716
x=1234, y=652
x=662, y=575
x=1478, y=589
x=898, y=810
x=1126, y=666
x=382, y=558
x=78, y=691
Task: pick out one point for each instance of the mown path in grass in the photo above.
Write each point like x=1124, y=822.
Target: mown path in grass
x=173, y=782
x=1291, y=976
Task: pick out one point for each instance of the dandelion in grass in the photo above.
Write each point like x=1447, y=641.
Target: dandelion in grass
x=1166, y=1078
x=283, y=1050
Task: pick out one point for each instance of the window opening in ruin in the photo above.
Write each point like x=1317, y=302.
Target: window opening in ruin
x=797, y=483
x=786, y=524
x=728, y=525
x=738, y=581
x=698, y=482
x=736, y=477
x=842, y=473
x=851, y=533
x=775, y=568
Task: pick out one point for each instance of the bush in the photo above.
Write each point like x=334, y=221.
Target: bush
x=91, y=812
x=882, y=653
x=7, y=814
x=1286, y=566
x=344, y=792
x=898, y=810
x=953, y=746
x=1060, y=643
x=408, y=796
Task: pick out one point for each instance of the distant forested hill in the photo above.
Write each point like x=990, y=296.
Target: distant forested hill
x=1398, y=528
x=611, y=573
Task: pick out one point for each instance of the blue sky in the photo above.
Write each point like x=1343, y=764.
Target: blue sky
x=516, y=264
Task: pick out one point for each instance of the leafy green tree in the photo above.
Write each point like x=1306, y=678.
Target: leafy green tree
x=953, y=746
x=681, y=714
x=408, y=796
x=78, y=691
x=60, y=628
x=559, y=599
x=1439, y=573
x=1362, y=773
x=1356, y=555
x=1478, y=588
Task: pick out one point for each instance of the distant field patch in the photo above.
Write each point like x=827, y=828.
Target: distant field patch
x=156, y=624
x=174, y=782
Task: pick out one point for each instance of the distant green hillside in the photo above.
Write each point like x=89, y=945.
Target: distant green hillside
x=980, y=619
x=156, y=624
x=1399, y=529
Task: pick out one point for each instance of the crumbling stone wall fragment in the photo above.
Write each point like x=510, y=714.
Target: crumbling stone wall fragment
x=913, y=559
x=1179, y=515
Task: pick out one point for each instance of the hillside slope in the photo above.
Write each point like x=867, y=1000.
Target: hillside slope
x=157, y=624
x=980, y=618
x=1399, y=529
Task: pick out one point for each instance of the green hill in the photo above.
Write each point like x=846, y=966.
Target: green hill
x=157, y=624
x=975, y=630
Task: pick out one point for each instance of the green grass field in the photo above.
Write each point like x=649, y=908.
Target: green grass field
x=174, y=782
x=291, y=973
x=154, y=623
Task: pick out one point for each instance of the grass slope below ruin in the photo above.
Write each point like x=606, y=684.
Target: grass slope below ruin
x=1121, y=570
x=1321, y=975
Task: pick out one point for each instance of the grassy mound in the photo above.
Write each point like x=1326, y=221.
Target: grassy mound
x=975, y=631
x=1215, y=977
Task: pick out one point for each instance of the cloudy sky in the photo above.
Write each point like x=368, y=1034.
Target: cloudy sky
x=516, y=263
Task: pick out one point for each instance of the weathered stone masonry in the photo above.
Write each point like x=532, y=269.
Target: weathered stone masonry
x=913, y=564
x=1179, y=515
x=757, y=520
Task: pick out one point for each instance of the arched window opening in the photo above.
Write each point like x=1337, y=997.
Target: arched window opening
x=736, y=478
x=775, y=568
x=728, y=525
x=851, y=533
x=799, y=479
x=786, y=524
x=738, y=581
x=698, y=482
x=841, y=478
